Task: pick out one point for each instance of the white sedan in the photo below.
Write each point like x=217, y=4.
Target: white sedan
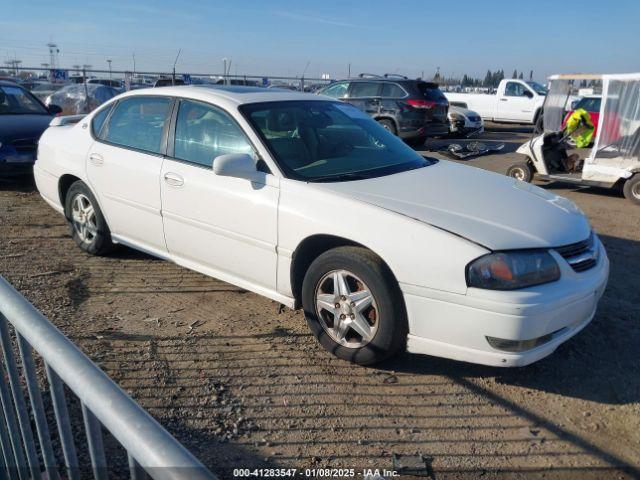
x=309, y=202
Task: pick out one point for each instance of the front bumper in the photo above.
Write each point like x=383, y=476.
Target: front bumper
x=457, y=326
x=22, y=165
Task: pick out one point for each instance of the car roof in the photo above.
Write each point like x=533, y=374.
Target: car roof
x=227, y=94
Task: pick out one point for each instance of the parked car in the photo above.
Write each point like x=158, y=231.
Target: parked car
x=117, y=84
x=465, y=122
x=45, y=89
x=589, y=103
x=309, y=202
x=515, y=101
x=23, y=118
x=168, y=82
x=411, y=109
x=81, y=98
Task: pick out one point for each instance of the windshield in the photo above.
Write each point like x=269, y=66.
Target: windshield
x=17, y=101
x=329, y=141
x=539, y=89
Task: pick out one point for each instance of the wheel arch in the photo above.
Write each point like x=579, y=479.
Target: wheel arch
x=311, y=248
x=64, y=184
x=391, y=119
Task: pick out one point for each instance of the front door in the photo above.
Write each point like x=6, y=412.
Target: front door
x=516, y=104
x=123, y=167
x=222, y=226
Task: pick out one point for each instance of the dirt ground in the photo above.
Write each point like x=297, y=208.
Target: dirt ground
x=243, y=385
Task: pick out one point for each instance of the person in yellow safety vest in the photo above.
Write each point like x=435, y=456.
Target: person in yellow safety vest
x=580, y=128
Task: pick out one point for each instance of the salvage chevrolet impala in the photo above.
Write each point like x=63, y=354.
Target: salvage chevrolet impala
x=309, y=202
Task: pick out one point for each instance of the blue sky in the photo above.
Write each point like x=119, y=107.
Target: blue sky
x=280, y=37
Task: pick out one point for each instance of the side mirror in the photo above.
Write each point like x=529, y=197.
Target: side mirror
x=239, y=165
x=54, y=109
x=528, y=94
x=574, y=104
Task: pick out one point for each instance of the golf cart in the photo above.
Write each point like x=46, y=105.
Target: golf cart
x=613, y=161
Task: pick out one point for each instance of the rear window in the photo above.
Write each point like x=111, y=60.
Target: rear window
x=431, y=92
x=391, y=90
x=364, y=89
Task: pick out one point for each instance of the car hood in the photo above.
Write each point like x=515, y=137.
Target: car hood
x=14, y=127
x=493, y=210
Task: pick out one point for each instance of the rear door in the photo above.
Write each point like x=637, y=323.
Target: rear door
x=437, y=101
x=365, y=96
x=123, y=168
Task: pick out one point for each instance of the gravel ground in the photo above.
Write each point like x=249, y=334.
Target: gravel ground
x=244, y=385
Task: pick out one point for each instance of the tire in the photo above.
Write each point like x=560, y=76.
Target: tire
x=631, y=189
x=384, y=312
x=417, y=142
x=87, y=225
x=521, y=171
x=388, y=125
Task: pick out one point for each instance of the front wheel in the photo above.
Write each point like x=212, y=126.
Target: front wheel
x=631, y=189
x=353, y=305
x=88, y=227
x=521, y=171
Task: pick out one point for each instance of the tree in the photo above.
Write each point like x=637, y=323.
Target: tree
x=521, y=77
x=515, y=74
x=488, y=79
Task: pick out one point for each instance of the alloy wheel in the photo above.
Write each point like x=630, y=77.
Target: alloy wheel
x=83, y=217
x=346, y=309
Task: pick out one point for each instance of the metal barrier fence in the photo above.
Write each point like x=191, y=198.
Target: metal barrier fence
x=150, y=448
x=299, y=82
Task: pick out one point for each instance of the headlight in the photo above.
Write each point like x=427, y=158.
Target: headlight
x=511, y=270
x=456, y=117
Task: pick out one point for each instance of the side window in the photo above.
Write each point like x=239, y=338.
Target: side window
x=98, y=121
x=337, y=90
x=514, y=89
x=138, y=122
x=204, y=132
x=364, y=89
x=392, y=90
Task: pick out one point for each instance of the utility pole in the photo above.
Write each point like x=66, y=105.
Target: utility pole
x=349, y=70
x=134, y=63
x=109, y=62
x=224, y=71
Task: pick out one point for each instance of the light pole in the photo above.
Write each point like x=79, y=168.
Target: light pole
x=109, y=62
x=224, y=71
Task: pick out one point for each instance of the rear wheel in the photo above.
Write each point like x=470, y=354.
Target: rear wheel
x=88, y=227
x=631, y=189
x=353, y=305
x=521, y=171
x=388, y=125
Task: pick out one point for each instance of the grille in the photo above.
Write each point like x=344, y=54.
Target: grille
x=25, y=145
x=581, y=256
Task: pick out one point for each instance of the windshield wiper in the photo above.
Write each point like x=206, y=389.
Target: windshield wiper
x=341, y=177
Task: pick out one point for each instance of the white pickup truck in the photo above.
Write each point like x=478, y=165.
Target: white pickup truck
x=515, y=101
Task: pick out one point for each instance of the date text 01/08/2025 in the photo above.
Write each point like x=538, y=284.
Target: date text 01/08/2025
x=366, y=474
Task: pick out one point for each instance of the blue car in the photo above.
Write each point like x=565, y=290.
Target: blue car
x=23, y=118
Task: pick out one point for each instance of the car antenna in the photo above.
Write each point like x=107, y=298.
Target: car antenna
x=173, y=77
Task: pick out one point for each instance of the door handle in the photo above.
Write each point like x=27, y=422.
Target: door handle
x=173, y=179
x=96, y=159
x=504, y=99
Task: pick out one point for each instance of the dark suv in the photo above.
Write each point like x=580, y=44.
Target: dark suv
x=411, y=109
